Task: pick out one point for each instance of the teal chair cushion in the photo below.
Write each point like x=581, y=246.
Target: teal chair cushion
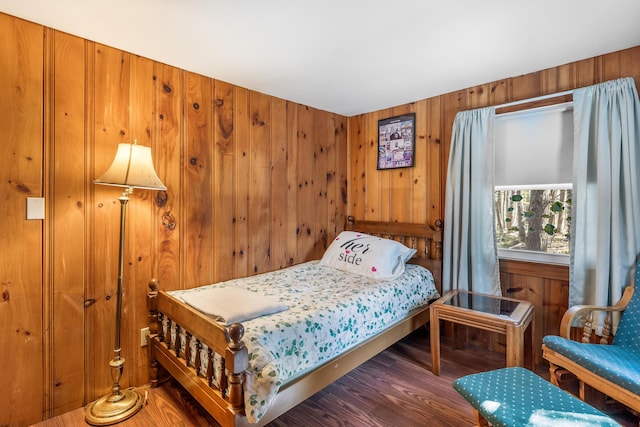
x=628, y=333
x=620, y=365
x=516, y=397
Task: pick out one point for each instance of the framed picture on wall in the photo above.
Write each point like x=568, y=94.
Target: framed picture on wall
x=396, y=141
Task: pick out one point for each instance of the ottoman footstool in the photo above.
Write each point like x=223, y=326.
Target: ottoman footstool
x=517, y=397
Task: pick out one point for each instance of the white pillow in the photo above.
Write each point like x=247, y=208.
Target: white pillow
x=367, y=255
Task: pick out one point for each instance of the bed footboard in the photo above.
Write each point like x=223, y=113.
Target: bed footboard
x=208, y=359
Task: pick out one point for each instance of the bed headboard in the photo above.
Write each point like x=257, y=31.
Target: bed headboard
x=425, y=238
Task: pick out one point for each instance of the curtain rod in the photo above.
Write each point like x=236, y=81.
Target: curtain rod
x=537, y=98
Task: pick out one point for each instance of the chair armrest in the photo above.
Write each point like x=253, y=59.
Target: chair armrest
x=578, y=311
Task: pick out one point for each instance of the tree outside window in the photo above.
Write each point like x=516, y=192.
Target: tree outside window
x=533, y=220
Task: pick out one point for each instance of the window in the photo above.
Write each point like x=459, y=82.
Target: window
x=533, y=158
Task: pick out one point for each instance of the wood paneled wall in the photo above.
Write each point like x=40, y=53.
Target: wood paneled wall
x=255, y=183
x=417, y=194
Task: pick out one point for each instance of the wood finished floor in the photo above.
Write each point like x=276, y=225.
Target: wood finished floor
x=395, y=388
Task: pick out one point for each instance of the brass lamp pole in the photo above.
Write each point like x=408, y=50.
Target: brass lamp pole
x=131, y=168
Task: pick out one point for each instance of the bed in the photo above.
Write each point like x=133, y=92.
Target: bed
x=244, y=373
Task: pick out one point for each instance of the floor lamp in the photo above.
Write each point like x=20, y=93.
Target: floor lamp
x=131, y=168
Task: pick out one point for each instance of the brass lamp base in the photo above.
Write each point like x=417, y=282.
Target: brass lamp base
x=106, y=410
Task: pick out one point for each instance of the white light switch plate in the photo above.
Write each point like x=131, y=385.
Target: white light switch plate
x=35, y=207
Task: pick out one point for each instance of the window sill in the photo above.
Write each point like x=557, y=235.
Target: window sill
x=533, y=256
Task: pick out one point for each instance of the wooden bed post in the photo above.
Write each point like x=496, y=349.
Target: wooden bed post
x=237, y=361
x=438, y=243
x=152, y=306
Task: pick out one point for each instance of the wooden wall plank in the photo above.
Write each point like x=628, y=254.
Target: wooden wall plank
x=278, y=237
x=139, y=233
x=418, y=177
x=224, y=204
x=68, y=237
x=336, y=175
x=435, y=185
x=556, y=297
x=450, y=105
x=370, y=176
x=21, y=265
x=479, y=96
x=198, y=168
x=500, y=92
x=90, y=288
x=306, y=212
x=526, y=86
x=332, y=181
x=356, y=175
x=260, y=182
x=167, y=152
x=628, y=63
x=585, y=72
x=320, y=182
x=242, y=194
x=341, y=173
x=48, y=65
x=292, y=183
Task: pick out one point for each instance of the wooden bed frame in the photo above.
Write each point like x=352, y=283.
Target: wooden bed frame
x=165, y=353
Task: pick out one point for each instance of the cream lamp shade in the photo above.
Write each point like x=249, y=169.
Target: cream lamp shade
x=132, y=167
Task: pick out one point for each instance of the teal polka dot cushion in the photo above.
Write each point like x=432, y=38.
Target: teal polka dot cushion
x=618, y=364
x=517, y=397
x=628, y=332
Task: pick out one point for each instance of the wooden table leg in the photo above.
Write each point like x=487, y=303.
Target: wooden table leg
x=515, y=345
x=435, y=340
x=529, y=336
x=516, y=337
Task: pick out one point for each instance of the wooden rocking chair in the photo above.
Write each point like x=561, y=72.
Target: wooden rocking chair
x=612, y=365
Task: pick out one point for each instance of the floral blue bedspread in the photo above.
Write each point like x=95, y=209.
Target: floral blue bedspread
x=330, y=311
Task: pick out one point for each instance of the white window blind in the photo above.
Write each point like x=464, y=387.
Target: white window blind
x=534, y=148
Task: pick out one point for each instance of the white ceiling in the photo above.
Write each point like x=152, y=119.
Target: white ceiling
x=349, y=56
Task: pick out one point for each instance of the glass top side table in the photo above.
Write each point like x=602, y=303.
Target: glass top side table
x=507, y=316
